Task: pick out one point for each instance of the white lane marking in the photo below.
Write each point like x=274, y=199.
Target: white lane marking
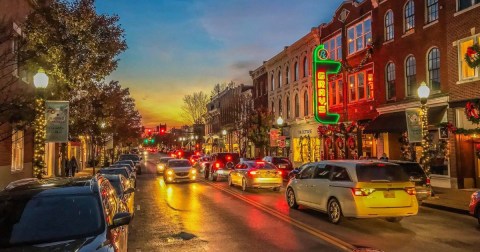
x=138, y=207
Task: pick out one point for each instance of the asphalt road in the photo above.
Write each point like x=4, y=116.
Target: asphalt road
x=211, y=216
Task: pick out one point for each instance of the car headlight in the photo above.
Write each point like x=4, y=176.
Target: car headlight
x=160, y=167
x=169, y=172
x=193, y=171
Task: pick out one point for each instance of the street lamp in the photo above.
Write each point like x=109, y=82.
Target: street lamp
x=280, y=125
x=224, y=133
x=280, y=121
x=423, y=93
x=40, y=80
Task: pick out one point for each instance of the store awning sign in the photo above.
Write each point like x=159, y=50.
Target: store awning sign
x=322, y=67
x=56, y=117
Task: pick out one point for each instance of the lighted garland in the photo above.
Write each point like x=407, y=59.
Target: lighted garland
x=472, y=56
x=362, y=63
x=472, y=111
x=340, y=145
x=39, y=125
x=426, y=141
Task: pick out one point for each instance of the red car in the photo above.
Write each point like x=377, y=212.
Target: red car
x=475, y=205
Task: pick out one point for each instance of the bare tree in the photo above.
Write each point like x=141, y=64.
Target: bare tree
x=194, y=107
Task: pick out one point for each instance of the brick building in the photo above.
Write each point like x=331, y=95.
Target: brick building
x=260, y=91
x=462, y=31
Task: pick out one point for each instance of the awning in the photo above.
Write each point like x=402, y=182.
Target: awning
x=396, y=122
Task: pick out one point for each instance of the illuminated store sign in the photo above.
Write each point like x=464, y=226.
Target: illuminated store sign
x=322, y=67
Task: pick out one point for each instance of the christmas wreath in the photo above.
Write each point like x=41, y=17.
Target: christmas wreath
x=472, y=56
x=472, y=110
x=351, y=143
x=328, y=142
x=340, y=143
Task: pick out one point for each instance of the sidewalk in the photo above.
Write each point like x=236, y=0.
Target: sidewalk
x=86, y=172
x=452, y=200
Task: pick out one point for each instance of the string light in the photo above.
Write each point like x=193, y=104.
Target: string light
x=426, y=140
x=39, y=126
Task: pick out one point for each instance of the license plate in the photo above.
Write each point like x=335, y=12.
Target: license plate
x=389, y=194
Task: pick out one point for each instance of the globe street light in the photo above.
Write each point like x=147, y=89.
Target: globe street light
x=423, y=92
x=280, y=121
x=40, y=81
x=224, y=133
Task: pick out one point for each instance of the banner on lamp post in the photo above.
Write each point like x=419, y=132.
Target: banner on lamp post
x=56, y=118
x=414, y=125
x=274, y=134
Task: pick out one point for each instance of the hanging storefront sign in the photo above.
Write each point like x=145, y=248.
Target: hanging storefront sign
x=274, y=134
x=56, y=116
x=414, y=125
x=281, y=142
x=322, y=67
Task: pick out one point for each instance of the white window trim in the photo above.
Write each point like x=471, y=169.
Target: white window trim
x=355, y=36
x=405, y=73
x=459, y=12
x=327, y=42
x=338, y=91
x=427, y=23
x=476, y=39
x=405, y=31
x=428, y=70
x=385, y=39
x=386, y=81
x=365, y=86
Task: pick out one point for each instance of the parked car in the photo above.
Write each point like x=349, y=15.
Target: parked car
x=128, y=164
x=418, y=176
x=125, y=191
x=282, y=163
x=354, y=188
x=124, y=171
x=63, y=214
x=474, y=206
x=256, y=174
x=162, y=162
x=202, y=163
x=222, y=164
x=179, y=170
x=136, y=160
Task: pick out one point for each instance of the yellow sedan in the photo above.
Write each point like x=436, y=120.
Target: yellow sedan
x=255, y=174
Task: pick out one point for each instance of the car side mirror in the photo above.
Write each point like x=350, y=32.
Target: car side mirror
x=297, y=176
x=121, y=219
x=129, y=190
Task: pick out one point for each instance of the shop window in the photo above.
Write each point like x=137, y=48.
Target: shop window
x=434, y=69
x=432, y=10
x=334, y=47
x=410, y=75
x=17, y=150
x=438, y=154
x=466, y=72
x=359, y=35
x=389, y=26
x=390, y=81
x=409, y=21
x=463, y=4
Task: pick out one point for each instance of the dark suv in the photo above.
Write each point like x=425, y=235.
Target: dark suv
x=418, y=176
x=63, y=214
x=282, y=163
x=221, y=165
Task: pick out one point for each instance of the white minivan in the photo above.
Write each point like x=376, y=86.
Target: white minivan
x=354, y=188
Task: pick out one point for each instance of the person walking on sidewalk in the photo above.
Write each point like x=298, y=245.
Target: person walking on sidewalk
x=66, y=165
x=73, y=165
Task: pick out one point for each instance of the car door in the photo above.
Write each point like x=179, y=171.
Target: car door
x=303, y=182
x=235, y=174
x=319, y=185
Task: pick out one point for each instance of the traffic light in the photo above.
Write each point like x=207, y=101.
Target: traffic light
x=163, y=129
x=145, y=141
x=152, y=140
x=149, y=132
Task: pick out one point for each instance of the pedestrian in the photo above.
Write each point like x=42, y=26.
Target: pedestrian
x=66, y=164
x=73, y=165
x=384, y=157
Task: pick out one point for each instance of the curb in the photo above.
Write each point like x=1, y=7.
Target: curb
x=446, y=208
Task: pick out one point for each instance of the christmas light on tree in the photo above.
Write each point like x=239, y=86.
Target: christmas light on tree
x=39, y=126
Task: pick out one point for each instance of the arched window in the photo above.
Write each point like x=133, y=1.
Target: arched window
x=434, y=69
x=280, y=109
x=288, y=107
x=287, y=75
x=305, y=66
x=410, y=75
x=273, y=107
x=389, y=25
x=295, y=75
x=305, y=103
x=409, y=16
x=390, y=74
x=297, y=106
x=279, y=78
x=432, y=10
x=273, y=83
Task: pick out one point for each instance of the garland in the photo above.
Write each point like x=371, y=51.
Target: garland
x=472, y=110
x=340, y=143
x=350, y=69
x=472, y=56
x=351, y=143
x=456, y=130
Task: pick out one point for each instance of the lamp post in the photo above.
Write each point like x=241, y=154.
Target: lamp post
x=40, y=80
x=280, y=125
x=224, y=133
x=423, y=92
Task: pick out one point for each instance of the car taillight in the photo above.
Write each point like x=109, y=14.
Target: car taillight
x=279, y=173
x=217, y=165
x=252, y=173
x=428, y=181
x=362, y=191
x=410, y=190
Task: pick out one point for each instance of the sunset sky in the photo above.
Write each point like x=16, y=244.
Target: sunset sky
x=177, y=47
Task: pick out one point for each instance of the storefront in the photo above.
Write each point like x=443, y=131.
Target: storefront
x=306, y=146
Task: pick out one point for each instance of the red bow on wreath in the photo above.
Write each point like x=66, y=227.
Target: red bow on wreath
x=340, y=143
x=471, y=52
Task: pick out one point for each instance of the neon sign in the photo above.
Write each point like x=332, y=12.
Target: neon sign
x=322, y=67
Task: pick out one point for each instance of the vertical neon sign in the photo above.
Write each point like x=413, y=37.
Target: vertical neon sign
x=322, y=67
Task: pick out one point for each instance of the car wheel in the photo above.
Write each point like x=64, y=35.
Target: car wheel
x=244, y=185
x=230, y=183
x=207, y=173
x=394, y=219
x=292, y=201
x=213, y=176
x=276, y=189
x=334, y=211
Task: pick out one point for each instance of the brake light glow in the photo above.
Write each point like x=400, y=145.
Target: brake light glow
x=260, y=162
x=279, y=173
x=410, y=190
x=229, y=158
x=217, y=165
x=362, y=191
x=381, y=165
x=252, y=173
x=428, y=181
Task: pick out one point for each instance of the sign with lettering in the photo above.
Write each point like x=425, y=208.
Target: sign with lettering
x=414, y=125
x=56, y=117
x=322, y=67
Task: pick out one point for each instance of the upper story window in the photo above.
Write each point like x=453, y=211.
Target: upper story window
x=390, y=81
x=359, y=35
x=273, y=83
x=295, y=74
x=432, y=10
x=334, y=47
x=17, y=150
x=273, y=107
x=297, y=106
x=279, y=78
x=288, y=106
x=305, y=66
x=465, y=71
x=336, y=92
x=410, y=75
x=409, y=16
x=463, y=4
x=305, y=103
x=287, y=75
x=280, y=107
x=389, y=25
x=357, y=85
x=434, y=69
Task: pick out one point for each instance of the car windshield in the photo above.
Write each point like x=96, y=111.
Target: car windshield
x=380, y=172
x=412, y=169
x=114, y=171
x=178, y=163
x=280, y=160
x=34, y=220
x=117, y=185
x=129, y=157
x=164, y=160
